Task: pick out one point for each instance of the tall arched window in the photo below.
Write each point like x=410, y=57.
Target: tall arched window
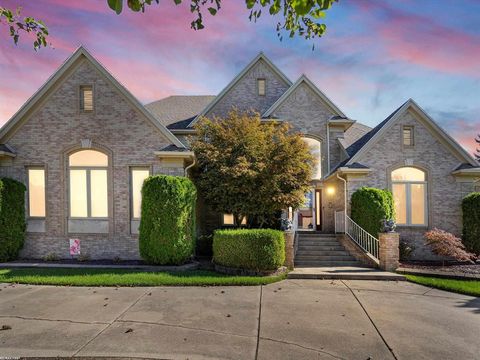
x=409, y=187
x=88, y=190
x=316, y=150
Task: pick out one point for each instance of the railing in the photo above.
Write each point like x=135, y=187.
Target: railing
x=295, y=229
x=359, y=235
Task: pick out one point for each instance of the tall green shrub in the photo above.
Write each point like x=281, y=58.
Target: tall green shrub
x=471, y=222
x=167, y=226
x=370, y=206
x=253, y=249
x=12, y=218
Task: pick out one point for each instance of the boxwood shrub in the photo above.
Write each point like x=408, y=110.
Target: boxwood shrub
x=12, y=218
x=370, y=206
x=471, y=222
x=253, y=249
x=167, y=225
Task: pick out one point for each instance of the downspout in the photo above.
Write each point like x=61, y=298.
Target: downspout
x=328, y=147
x=345, y=203
x=190, y=166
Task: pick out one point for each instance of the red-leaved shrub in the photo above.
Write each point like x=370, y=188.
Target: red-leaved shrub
x=443, y=243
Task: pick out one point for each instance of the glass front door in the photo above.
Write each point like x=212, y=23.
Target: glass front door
x=309, y=214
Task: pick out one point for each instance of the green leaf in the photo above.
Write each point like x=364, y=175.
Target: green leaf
x=177, y=2
x=212, y=11
x=116, y=5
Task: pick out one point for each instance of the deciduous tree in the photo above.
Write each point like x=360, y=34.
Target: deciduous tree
x=249, y=167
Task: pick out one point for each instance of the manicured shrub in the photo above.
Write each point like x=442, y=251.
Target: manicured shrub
x=370, y=206
x=12, y=218
x=253, y=249
x=443, y=243
x=167, y=225
x=471, y=222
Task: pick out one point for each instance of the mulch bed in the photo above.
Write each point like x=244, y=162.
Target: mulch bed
x=448, y=268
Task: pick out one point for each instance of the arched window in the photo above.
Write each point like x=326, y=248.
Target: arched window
x=88, y=184
x=409, y=187
x=316, y=150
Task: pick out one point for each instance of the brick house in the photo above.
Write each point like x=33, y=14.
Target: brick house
x=83, y=145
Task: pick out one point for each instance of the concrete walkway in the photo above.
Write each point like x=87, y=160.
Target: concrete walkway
x=343, y=273
x=293, y=319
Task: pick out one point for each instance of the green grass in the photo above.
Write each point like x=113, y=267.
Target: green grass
x=120, y=277
x=467, y=287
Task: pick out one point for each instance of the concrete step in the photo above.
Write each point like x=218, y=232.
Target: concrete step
x=343, y=273
x=306, y=257
x=324, y=263
x=314, y=242
x=322, y=252
x=313, y=233
x=320, y=249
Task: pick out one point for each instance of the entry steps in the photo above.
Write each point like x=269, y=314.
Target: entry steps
x=322, y=250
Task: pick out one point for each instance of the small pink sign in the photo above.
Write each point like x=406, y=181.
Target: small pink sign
x=74, y=246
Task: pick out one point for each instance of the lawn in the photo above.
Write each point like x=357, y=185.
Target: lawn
x=467, y=287
x=120, y=277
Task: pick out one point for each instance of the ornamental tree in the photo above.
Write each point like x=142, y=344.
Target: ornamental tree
x=249, y=167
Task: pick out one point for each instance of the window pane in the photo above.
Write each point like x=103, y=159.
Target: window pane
x=400, y=198
x=98, y=192
x=78, y=193
x=407, y=137
x=86, y=98
x=228, y=219
x=315, y=150
x=408, y=174
x=261, y=86
x=36, y=192
x=138, y=176
x=88, y=158
x=417, y=192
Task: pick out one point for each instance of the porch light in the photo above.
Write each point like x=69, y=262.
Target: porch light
x=330, y=190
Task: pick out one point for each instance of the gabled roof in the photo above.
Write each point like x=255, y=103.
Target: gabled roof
x=174, y=110
x=304, y=79
x=368, y=140
x=236, y=79
x=358, y=144
x=82, y=52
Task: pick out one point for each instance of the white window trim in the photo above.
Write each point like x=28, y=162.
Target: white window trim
x=412, y=136
x=408, y=202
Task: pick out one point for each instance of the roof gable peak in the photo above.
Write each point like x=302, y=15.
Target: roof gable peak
x=240, y=75
x=57, y=75
x=303, y=79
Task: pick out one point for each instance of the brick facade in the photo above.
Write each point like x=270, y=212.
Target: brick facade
x=55, y=129
x=430, y=154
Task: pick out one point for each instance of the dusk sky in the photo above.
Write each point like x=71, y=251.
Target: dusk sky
x=375, y=55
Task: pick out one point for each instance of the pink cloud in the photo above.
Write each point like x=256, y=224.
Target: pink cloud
x=422, y=41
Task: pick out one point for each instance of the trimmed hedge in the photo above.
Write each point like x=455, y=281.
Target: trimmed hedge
x=370, y=206
x=167, y=225
x=12, y=218
x=471, y=222
x=253, y=249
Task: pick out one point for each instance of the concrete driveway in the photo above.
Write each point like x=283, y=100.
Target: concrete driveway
x=293, y=319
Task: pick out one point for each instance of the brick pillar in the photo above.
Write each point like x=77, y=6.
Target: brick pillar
x=289, y=251
x=388, y=250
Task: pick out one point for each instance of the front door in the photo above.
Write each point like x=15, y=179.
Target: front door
x=309, y=214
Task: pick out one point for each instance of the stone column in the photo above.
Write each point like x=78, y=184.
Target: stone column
x=289, y=250
x=388, y=250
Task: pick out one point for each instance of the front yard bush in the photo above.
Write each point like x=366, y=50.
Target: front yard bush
x=370, y=206
x=252, y=249
x=471, y=222
x=12, y=218
x=445, y=244
x=167, y=226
